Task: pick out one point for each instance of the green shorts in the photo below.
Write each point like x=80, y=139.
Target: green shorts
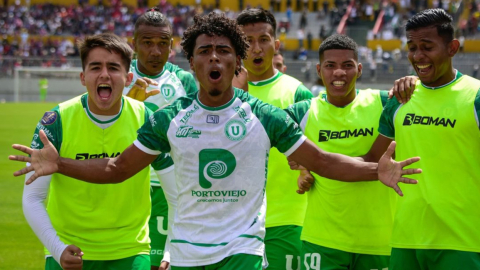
x=283, y=247
x=138, y=262
x=235, y=262
x=158, y=225
x=437, y=259
x=317, y=257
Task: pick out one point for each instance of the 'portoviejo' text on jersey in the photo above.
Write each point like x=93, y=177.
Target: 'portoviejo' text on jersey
x=107, y=222
x=173, y=83
x=221, y=158
x=285, y=206
x=352, y=217
x=441, y=126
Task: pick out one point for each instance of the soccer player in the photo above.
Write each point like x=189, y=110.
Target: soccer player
x=99, y=226
x=286, y=209
x=219, y=140
x=435, y=225
x=279, y=63
x=152, y=45
x=347, y=225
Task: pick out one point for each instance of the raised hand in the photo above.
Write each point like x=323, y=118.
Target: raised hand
x=71, y=258
x=43, y=161
x=139, y=89
x=391, y=172
x=403, y=88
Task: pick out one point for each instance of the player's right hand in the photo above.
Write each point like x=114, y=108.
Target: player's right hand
x=305, y=181
x=43, y=161
x=71, y=258
x=403, y=88
x=139, y=89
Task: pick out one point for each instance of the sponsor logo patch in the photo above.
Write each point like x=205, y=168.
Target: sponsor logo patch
x=213, y=119
x=49, y=118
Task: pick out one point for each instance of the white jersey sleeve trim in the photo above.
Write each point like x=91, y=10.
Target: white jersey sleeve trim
x=145, y=149
x=37, y=217
x=295, y=146
x=166, y=170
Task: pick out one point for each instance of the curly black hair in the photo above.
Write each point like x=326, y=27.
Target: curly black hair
x=338, y=42
x=215, y=24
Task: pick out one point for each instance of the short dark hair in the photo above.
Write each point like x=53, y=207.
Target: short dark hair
x=109, y=42
x=256, y=15
x=153, y=17
x=433, y=17
x=338, y=42
x=214, y=24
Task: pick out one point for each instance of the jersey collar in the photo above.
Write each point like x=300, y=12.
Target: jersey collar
x=458, y=74
x=267, y=81
x=89, y=113
x=220, y=107
x=137, y=70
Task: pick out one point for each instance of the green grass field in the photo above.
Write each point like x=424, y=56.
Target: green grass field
x=19, y=247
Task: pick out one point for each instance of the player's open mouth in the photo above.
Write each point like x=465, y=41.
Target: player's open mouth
x=423, y=69
x=104, y=91
x=215, y=75
x=258, y=61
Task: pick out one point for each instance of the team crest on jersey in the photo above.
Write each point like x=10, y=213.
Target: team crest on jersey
x=168, y=91
x=49, y=118
x=215, y=164
x=235, y=130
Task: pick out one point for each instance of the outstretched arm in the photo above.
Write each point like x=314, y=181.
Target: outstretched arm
x=348, y=169
x=46, y=161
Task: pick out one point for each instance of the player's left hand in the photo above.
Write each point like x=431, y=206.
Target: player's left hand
x=139, y=89
x=390, y=172
x=305, y=181
x=403, y=88
x=240, y=80
x=164, y=265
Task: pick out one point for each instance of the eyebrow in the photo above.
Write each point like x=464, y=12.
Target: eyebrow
x=348, y=61
x=100, y=63
x=211, y=46
x=423, y=40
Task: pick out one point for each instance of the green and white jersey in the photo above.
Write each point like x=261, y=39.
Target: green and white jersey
x=352, y=217
x=173, y=83
x=108, y=222
x=441, y=126
x=285, y=206
x=221, y=157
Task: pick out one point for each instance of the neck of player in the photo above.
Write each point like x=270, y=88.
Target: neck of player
x=215, y=97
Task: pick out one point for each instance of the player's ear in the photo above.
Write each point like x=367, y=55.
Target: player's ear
x=191, y=63
x=360, y=68
x=82, y=78
x=129, y=78
x=453, y=47
x=277, y=44
x=319, y=70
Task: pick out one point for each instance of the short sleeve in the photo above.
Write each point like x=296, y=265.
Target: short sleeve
x=51, y=124
x=302, y=93
x=153, y=133
x=386, y=125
